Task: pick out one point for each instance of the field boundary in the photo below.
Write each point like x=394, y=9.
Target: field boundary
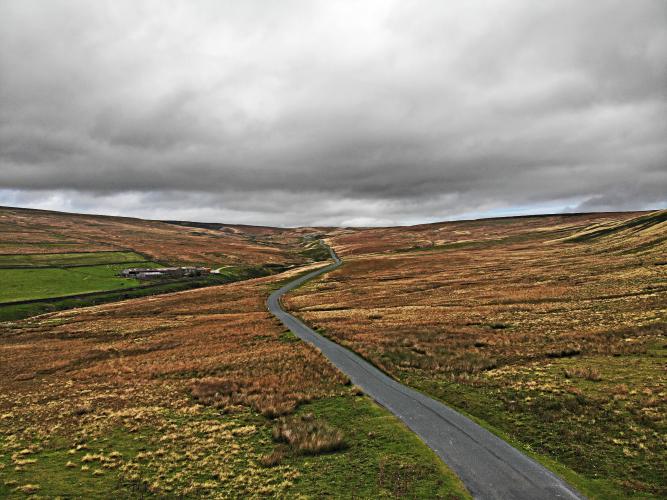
x=71, y=253
x=68, y=266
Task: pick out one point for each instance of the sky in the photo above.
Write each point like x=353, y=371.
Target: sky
x=333, y=112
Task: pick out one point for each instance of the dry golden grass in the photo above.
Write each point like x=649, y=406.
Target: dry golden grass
x=131, y=365
x=589, y=373
x=222, y=334
x=451, y=310
x=307, y=435
x=463, y=310
x=37, y=231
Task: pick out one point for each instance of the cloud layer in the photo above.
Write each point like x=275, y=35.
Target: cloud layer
x=326, y=112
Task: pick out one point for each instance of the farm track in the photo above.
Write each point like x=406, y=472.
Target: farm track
x=488, y=466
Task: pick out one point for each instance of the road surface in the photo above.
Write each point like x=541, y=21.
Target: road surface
x=488, y=466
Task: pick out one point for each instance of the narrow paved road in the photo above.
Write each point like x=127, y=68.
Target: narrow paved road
x=488, y=466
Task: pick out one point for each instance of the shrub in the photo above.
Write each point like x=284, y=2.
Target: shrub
x=272, y=407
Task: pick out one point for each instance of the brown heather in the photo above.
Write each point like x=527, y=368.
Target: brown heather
x=144, y=364
x=36, y=231
x=219, y=341
x=529, y=323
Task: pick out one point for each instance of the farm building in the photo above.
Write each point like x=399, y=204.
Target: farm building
x=164, y=272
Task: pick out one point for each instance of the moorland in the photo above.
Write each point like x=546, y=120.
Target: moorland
x=53, y=261
x=548, y=330
x=199, y=393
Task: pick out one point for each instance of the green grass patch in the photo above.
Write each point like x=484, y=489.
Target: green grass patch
x=288, y=337
x=598, y=421
x=20, y=311
x=105, y=274
x=382, y=458
x=28, y=284
x=316, y=251
x=58, y=469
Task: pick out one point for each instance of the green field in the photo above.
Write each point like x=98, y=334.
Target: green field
x=27, y=284
x=69, y=259
x=65, y=284
x=67, y=274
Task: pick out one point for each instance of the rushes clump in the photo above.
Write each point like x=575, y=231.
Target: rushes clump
x=307, y=435
x=587, y=373
x=272, y=459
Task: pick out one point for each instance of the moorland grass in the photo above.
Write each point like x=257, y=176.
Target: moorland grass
x=69, y=259
x=202, y=453
x=558, y=347
x=123, y=419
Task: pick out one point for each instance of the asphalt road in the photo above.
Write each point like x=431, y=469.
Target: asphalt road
x=488, y=466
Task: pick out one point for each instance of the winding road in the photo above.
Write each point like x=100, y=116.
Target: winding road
x=488, y=466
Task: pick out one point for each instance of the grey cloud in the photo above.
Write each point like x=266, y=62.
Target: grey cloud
x=329, y=112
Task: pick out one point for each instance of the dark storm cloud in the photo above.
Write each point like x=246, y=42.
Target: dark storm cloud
x=307, y=112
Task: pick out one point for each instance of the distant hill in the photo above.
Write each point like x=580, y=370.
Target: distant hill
x=28, y=231
x=644, y=233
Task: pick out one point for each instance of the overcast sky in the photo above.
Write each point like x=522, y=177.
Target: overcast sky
x=327, y=112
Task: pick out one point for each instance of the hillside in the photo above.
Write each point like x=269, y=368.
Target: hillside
x=550, y=330
x=644, y=234
x=473, y=233
x=181, y=395
x=37, y=231
x=553, y=339
x=51, y=261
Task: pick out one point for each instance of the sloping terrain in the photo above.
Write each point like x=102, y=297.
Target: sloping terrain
x=558, y=345
x=73, y=260
x=198, y=394
x=551, y=330
x=639, y=235
x=38, y=231
x=469, y=234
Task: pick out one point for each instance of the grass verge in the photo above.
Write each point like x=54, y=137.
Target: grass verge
x=195, y=451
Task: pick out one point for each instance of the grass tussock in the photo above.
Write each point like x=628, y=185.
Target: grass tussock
x=274, y=458
x=226, y=394
x=306, y=435
x=588, y=373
